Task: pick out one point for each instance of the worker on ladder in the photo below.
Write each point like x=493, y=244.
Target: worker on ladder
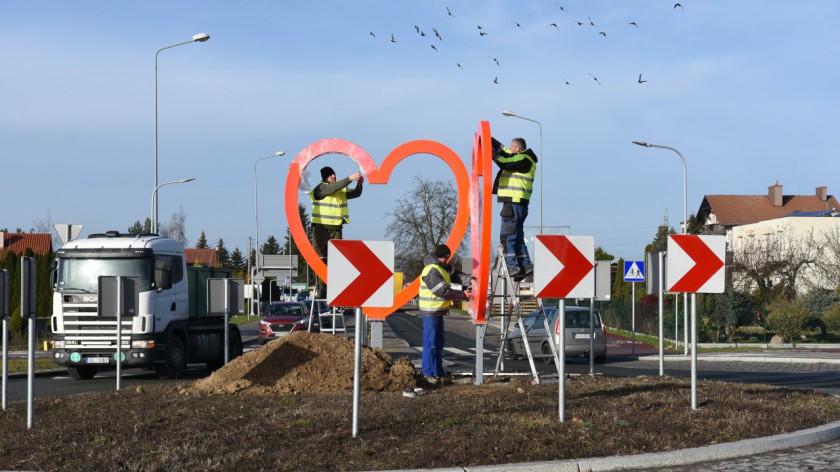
x=436, y=296
x=512, y=186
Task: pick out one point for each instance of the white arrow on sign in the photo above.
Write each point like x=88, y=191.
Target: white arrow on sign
x=360, y=273
x=695, y=263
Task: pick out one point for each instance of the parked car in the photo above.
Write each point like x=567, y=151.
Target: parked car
x=577, y=334
x=282, y=318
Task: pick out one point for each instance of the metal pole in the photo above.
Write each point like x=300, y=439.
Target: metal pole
x=155, y=191
x=357, y=372
x=591, y=336
x=5, y=361
x=201, y=37
x=677, y=320
x=633, y=321
x=120, y=295
x=480, y=329
x=250, y=282
x=661, y=316
x=561, y=379
x=693, y=351
x=227, y=320
x=290, y=263
x=256, y=208
x=30, y=381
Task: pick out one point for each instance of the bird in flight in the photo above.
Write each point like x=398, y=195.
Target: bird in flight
x=437, y=34
x=416, y=28
x=482, y=33
x=561, y=7
x=554, y=25
x=449, y=12
x=393, y=40
x=580, y=23
x=459, y=65
x=517, y=25
x=678, y=5
x=371, y=33
x=640, y=79
x=496, y=80
x=433, y=47
x=595, y=78
x=495, y=60
x=591, y=23
x=567, y=82
x=603, y=34
x=633, y=23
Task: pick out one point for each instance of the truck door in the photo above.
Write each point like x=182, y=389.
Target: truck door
x=171, y=302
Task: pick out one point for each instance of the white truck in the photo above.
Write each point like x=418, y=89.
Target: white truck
x=171, y=327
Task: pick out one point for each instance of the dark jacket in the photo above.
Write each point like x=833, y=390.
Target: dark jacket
x=515, y=163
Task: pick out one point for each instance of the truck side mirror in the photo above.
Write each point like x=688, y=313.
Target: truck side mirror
x=163, y=278
x=53, y=273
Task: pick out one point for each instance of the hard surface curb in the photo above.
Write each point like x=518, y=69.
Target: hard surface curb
x=716, y=452
x=781, y=359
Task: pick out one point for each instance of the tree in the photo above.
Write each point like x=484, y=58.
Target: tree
x=602, y=255
x=46, y=225
x=770, y=266
x=421, y=221
x=176, y=228
x=202, y=242
x=222, y=254
x=787, y=319
x=829, y=266
x=270, y=246
x=660, y=240
x=736, y=309
x=237, y=262
x=138, y=229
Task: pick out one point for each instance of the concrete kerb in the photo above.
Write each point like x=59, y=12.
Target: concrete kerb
x=682, y=457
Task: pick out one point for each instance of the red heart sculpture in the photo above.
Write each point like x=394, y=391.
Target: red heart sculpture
x=375, y=176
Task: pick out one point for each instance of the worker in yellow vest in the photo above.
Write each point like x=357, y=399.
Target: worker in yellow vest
x=513, y=186
x=330, y=213
x=436, y=296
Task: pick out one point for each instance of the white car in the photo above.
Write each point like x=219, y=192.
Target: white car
x=578, y=332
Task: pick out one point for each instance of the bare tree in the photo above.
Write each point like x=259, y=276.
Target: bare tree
x=770, y=265
x=176, y=228
x=829, y=265
x=45, y=225
x=421, y=221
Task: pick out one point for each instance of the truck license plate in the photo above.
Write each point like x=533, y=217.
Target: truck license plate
x=581, y=335
x=97, y=360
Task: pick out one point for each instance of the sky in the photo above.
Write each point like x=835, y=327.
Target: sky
x=746, y=91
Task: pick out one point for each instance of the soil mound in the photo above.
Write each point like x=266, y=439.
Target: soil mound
x=307, y=362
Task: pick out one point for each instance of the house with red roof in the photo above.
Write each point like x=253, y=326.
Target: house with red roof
x=18, y=243
x=201, y=257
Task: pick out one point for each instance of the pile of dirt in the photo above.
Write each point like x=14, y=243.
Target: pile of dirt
x=307, y=362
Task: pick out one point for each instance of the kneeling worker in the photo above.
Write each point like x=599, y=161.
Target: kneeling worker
x=436, y=296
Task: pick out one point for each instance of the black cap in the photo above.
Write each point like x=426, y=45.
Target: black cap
x=442, y=251
x=326, y=172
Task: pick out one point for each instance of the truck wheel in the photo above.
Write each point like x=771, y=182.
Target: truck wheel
x=82, y=372
x=175, y=357
x=234, y=350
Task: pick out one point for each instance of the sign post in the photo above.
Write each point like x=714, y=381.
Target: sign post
x=654, y=284
x=118, y=296
x=224, y=297
x=564, y=268
x=696, y=265
x=27, y=312
x=360, y=274
x=634, y=271
x=4, y=313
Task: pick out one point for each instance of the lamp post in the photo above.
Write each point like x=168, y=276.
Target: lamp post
x=256, y=208
x=510, y=113
x=198, y=38
x=684, y=228
x=154, y=192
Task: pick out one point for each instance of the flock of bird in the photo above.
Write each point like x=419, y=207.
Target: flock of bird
x=482, y=32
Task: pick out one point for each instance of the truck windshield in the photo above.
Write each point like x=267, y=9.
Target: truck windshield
x=77, y=274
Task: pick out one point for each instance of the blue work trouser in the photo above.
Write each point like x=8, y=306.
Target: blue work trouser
x=433, y=346
x=513, y=237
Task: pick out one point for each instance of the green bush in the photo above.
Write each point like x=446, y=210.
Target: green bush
x=15, y=323
x=788, y=319
x=831, y=318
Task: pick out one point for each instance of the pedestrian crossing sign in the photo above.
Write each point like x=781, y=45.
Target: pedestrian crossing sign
x=634, y=271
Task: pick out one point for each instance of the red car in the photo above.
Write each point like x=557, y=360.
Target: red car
x=282, y=318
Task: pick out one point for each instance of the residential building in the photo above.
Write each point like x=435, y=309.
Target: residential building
x=18, y=243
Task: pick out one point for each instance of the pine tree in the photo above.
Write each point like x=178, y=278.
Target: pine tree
x=237, y=262
x=202, y=241
x=137, y=228
x=270, y=247
x=222, y=254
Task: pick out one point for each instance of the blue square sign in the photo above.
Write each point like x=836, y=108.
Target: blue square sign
x=634, y=271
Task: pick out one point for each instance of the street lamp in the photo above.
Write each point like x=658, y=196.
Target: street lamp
x=198, y=38
x=154, y=193
x=256, y=208
x=510, y=113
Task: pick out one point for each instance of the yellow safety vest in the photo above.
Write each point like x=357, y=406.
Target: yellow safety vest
x=516, y=185
x=430, y=302
x=330, y=210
